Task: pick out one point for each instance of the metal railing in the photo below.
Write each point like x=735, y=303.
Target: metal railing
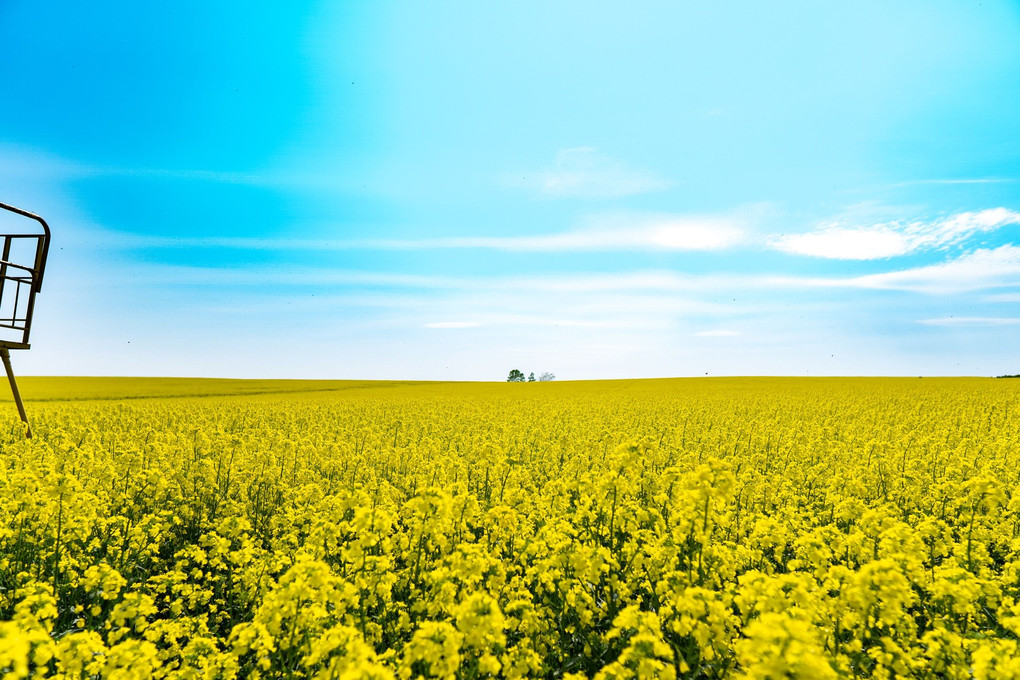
x=23, y=284
x=19, y=283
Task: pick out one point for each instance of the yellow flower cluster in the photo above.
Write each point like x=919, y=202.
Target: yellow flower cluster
x=731, y=528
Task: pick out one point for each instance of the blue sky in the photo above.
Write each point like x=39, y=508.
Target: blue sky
x=451, y=190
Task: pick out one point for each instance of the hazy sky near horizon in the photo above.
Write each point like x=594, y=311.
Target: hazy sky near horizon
x=450, y=190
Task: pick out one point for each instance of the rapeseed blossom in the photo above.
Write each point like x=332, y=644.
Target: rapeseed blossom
x=590, y=531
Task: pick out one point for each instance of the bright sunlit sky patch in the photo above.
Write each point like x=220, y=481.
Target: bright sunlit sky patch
x=453, y=190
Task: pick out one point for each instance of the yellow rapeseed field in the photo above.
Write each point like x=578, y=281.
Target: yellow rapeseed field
x=716, y=528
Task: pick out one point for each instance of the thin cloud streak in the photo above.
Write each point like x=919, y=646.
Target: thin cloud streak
x=982, y=269
x=893, y=239
x=1002, y=297
x=972, y=321
x=584, y=172
x=717, y=334
x=648, y=233
x=978, y=180
x=574, y=283
x=22, y=163
x=452, y=324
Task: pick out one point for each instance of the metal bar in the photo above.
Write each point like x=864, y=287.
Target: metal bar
x=3, y=265
x=43, y=249
x=14, y=312
x=29, y=309
x=6, y=356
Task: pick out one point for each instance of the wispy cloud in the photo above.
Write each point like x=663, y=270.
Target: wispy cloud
x=975, y=180
x=892, y=239
x=21, y=162
x=720, y=333
x=24, y=163
x=972, y=321
x=982, y=269
x=584, y=172
x=638, y=232
x=1002, y=297
x=452, y=324
x=649, y=280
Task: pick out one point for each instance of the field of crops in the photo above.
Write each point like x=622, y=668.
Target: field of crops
x=737, y=528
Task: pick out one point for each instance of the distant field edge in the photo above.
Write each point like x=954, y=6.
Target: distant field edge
x=100, y=388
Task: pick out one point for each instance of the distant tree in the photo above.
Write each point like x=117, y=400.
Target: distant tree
x=546, y=377
x=515, y=376
x=531, y=378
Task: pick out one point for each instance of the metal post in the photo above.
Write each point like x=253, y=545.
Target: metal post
x=6, y=356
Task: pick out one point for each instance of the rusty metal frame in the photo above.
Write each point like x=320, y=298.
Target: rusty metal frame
x=25, y=281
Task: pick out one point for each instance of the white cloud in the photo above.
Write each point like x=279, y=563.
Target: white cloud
x=893, y=238
x=717, y=334
x=453, y=324
x=584, y=172
x=656, y=233
x=640, y=232
x=955, y=229
x=982, y=269
x=861, y=243
x=159, y=275
x=1002, y=297
x=976, y=321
